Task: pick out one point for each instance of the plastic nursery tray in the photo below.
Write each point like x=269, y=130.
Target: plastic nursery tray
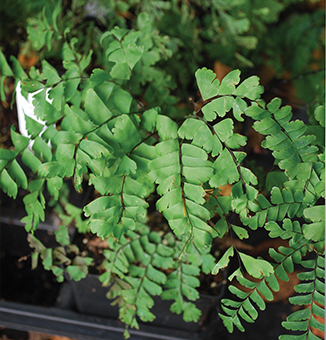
x=57, y=321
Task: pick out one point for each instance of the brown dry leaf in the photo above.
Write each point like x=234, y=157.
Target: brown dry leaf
x=98, y=243
x=197, y=105
x=316, y=4
x=127, y=15
x=27, y=59
x=225, y=190
x=221, y=70
x=37, y=336
x=266, y=74
x=317, y=55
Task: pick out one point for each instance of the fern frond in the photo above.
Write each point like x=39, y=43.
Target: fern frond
x=286, y=202
x=136, y=267
x=181, y=170
x=293, y=150
x=312, y=292
x=285, y=258
x=137, y=261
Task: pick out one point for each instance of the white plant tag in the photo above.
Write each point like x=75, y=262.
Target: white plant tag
x=26, y=107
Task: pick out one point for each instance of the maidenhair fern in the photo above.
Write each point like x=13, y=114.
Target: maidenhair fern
x=107, y=129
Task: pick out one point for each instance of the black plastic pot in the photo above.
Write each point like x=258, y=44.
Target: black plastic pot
x=89, y=298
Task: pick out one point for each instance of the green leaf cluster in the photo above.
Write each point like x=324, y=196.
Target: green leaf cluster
x=137, y=267
x=66, y=258
x=110, y=128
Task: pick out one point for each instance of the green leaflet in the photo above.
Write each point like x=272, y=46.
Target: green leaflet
x=124, y=126
x=201, y=135
x=224, y=129
x=20, y=142
x=8, y=184
x=120, y=101
x=46, y=111
x=133, y=53
x=223, y=262
x=219, y=106
x=34, y=205
x=166, y=127
x=314, y=231
x=225, y=170
x=98, y=77
x=71, y=83
x=256, y=267
x=239, y=107
x=33, y=127
x=189, y=128
x=94, y=149
x=228, y=83
x=320, y=115
x=54, y=185
x=76, y=122
x=50, y=74
x=7, y=155
x=149, y=119
x=240, y=232
x=207, y=83
x=42, y=150
x=5, y=71
x=196, y=168
x=17, y=174
x=249, y=88
x=30, y=160
x=95, y=108
x=315, y=214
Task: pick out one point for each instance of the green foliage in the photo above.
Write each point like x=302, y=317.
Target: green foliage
x=137, y=267
x=118, y=128
x=66, y=254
